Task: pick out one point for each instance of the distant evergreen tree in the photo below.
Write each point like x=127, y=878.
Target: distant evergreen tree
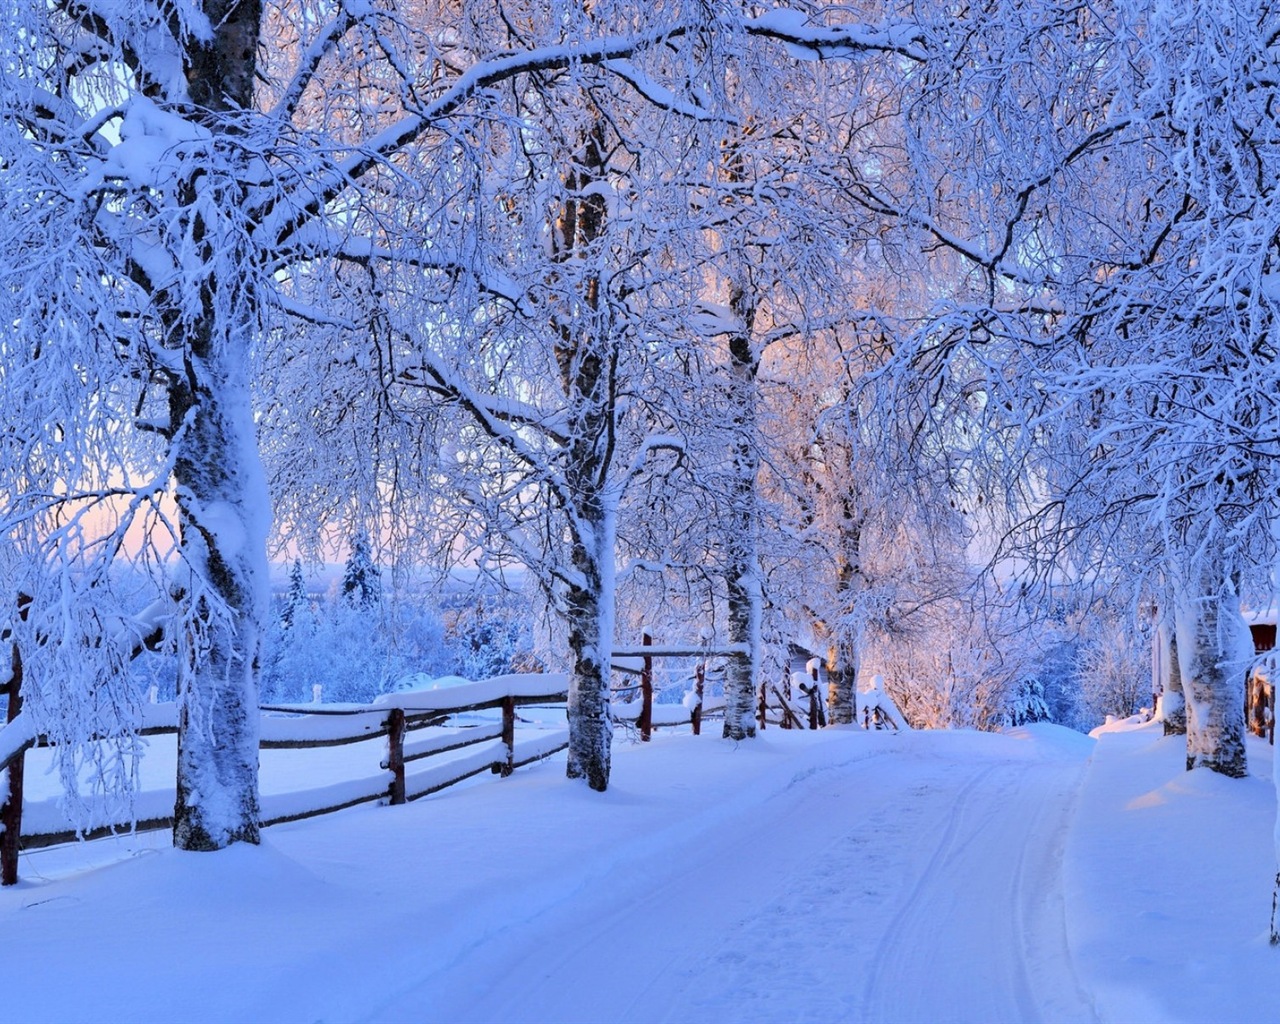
x=361, y=579
x=297, y=602
x=1028, y=704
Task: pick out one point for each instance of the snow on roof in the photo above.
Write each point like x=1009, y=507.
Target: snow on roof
x=1261, y=616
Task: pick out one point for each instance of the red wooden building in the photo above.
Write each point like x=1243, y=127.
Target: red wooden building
x=1260, y=691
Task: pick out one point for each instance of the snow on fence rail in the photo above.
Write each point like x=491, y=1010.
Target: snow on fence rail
x=489, y=746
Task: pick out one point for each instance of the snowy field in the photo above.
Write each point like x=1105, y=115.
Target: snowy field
x=806, y=876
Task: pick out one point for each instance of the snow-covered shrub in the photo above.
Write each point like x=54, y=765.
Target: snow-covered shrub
x=352, y=653
x=1114, y=671
x=487, y=638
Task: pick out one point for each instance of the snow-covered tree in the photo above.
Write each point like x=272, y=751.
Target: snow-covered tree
x=361, y=586
x=1114, y=669
x=297, y=602
x=576, y=267
x=1167, y=679
x=1027, y=704
x=129, y=134
x=1111, y=328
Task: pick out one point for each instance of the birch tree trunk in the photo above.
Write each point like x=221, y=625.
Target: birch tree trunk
x=589, y=615
x=587, y=358
x=842, y=676
x=742, y=569
x=223, y=504
x=1173, y=705
x=1210, y=638
x=843, y=679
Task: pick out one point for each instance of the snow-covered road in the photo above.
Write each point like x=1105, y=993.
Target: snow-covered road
x=818, y=876
x=922, y=889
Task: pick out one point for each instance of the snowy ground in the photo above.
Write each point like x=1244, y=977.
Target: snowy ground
x=824, y=876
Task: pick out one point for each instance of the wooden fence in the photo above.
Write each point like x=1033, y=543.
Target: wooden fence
x=417, y=726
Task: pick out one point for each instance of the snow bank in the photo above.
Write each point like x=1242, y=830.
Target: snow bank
x=1168, y=879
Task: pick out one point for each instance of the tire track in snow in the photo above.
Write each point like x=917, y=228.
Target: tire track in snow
x=733, y=920
x=1042, y=923
x=966, y=944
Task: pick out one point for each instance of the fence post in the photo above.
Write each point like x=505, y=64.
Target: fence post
x=509, y=734
x=817, y=709
x=646, y=692
x=11, y=811
x=814, y=672
x=812, y=693
x=696, y=717
x=395, y=754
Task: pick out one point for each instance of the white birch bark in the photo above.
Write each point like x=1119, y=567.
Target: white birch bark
x=842, y=668
x=1173, y=705
x=589, y=617
x=1211, y=634
x=586, y=355
x=842, y=676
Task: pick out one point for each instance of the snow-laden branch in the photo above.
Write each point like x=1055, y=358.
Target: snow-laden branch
x=994, y=261
x=16, y=737
x=487, y=412
x=309, y=313
x=281, y=221
x=487, y=280
x=823, y=42
x=495, y=414
x=662, y=97
x=655, y=443
x=145, y=629
x=310, y=60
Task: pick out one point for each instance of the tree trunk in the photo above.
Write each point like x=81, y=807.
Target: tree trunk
x=1173, y=705
x=842, y=675
x=11, y=807
x=742, y=569
x=222, y=497
x=587, y=358
x=224, y=506
x=740, y=672
x=589, y=615
x=1211, y=639
x=843, y=659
